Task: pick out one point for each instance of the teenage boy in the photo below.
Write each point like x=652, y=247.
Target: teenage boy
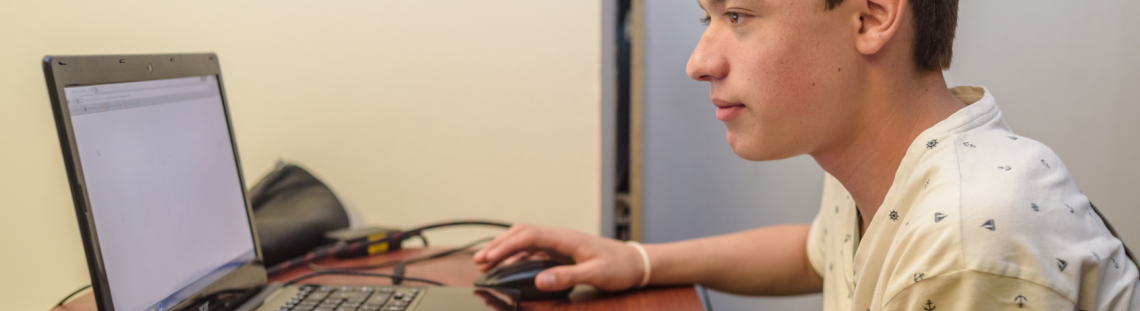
x=930, y=200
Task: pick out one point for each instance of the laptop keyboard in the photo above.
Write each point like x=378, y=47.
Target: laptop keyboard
x=350, y=298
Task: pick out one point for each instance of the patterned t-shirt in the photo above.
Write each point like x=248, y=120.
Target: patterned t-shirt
x=978, y=218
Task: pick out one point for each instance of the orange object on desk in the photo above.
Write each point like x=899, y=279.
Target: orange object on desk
x=460, y=270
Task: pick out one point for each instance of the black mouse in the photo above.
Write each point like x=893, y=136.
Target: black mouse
x=520, y=276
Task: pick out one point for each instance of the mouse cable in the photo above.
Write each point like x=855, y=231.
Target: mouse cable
x=358, y=273
x=397, y=237
x=64, y=300
x=398, y=274
x=315, y=267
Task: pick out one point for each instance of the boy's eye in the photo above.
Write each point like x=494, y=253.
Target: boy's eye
x=706, y=20
x=734, y=17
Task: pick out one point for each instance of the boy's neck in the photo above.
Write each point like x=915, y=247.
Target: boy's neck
x=893, y=113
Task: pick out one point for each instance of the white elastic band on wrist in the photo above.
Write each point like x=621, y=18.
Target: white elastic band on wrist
x=644, y=261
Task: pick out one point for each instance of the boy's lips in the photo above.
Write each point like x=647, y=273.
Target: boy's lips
x=726, y=110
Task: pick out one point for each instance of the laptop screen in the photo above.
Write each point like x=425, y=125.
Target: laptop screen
x=162, y=181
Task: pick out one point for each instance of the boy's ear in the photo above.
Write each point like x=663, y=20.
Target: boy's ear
x=879, y=21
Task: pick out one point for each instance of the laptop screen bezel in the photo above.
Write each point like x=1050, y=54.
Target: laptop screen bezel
x=68, y=71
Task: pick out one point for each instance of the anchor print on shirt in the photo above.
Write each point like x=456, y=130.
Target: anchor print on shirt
x=989, y=225
x=1034, y=207
x=969, y=145
x=938, y=217
x=919, y=276
x=1061, y=264
x=1071, y=210
x=1012, y=137
x=929, y=306
x=1005, y=168
x=1046, y=164
x=1020, y=300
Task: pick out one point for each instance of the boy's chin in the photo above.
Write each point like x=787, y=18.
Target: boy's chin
x=751, y=150
x=743, y=149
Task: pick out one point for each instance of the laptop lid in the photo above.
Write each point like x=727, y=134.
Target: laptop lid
x=156, y=180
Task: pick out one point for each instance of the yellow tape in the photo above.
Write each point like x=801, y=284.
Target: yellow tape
x=378, y=248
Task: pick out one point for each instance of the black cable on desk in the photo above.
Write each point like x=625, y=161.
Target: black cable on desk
x=398, y=237
x=64, y=300
x=358, y=273
x=316, y=267
x=398, y=273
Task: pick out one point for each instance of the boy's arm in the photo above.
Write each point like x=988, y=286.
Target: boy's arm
x=765, y=261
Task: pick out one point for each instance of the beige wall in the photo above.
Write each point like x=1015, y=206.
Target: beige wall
x=414, y=111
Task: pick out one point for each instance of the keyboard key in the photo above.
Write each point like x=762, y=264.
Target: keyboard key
x=378, y=299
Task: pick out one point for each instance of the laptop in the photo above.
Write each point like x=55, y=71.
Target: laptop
x=155, y=176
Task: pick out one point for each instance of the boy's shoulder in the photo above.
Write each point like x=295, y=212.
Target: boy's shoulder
x=1017, y=213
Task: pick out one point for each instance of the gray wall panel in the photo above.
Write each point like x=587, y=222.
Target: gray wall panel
x=1066, y=73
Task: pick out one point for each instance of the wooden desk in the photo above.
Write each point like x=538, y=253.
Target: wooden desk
x=460, y=270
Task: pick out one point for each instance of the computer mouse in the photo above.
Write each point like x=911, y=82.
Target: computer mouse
x=520, y=276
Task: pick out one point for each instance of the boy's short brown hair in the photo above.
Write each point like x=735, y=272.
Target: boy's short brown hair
x=934, y=24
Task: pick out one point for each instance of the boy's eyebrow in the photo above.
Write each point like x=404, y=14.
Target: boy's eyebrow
x=710, y=2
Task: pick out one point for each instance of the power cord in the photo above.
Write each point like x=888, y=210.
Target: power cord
x=316, y=267
x=358, y=273
x=397, y=237
x=424, y=239
x=64, y=300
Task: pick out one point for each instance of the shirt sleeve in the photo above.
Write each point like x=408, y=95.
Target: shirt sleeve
x=974, y=290
x=815, y=245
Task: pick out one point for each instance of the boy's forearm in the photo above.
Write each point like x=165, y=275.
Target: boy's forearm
x=765, y=261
